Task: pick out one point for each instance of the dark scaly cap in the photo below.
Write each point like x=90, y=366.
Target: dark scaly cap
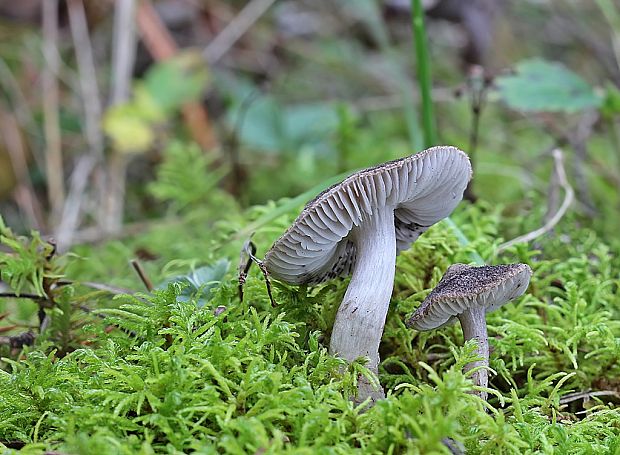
x=463, y=287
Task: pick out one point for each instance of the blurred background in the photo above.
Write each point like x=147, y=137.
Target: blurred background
x=110, y=110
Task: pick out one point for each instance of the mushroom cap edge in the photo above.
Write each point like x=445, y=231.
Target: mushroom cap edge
x=464, y=286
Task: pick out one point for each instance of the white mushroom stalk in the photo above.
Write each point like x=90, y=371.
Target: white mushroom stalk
x=474, y=325
x=360, y=319
x=358, y=227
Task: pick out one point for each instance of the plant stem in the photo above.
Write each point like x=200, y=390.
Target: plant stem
x=53, y=146
x=424, y=73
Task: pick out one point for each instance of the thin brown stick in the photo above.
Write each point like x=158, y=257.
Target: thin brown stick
x=123, y=50
x=7, y=328
x=587, y=394
x=569, y=196
x=98, y=286
x=24, y=192
x=13, y=295
x=92, y=119
x=53, y=154
x=87, y=75
x=18, y=341
x=137, y=266
x=123, y=58
x=154, y=34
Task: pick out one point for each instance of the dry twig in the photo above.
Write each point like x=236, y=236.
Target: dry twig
x=578, y=139
x=92, y=110
x=148, y=284
x=18, y=341
x=587, y=395
x=222, y=43
x=24, y=191
x=569, y=195
x=53, y=155
x=123, y=58
x=123, y=50
x=88, y=76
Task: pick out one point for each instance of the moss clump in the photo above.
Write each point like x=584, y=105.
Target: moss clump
x=162, y=375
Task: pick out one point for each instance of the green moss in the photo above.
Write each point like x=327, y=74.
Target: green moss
x=173, y=378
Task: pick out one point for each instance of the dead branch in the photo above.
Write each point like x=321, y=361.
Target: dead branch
x=18, y=341
x=87, y=76
x=222, y=43
x=123, y=50
x=98, y=286
x=92, y=110
x=154, y=34
x=71, y=211
x=123, y=58
x=569, y=196
x=578, y=139
x=587, y=395
x=53, y=155
x=13, y=295
x=24, y=192
x=137, y=266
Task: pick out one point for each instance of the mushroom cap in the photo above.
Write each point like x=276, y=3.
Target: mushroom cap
x=422, y=189
x=465, y=287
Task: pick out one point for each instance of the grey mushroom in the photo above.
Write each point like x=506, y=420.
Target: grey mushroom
x=467, y=293
x=358, y=227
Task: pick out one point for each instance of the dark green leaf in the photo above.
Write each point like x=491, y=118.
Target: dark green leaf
x=541, y=86
x=200, y=282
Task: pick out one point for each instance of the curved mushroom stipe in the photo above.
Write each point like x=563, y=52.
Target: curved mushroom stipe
x=358, y=227
x=361, y=316
x=474, y=325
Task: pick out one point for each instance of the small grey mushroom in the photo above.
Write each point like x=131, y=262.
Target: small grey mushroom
x=358, y=227
x=467, y=293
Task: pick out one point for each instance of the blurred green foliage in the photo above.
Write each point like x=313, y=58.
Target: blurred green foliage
x=167, y=86
x=543, y=86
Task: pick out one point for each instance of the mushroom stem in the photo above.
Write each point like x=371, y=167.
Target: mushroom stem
x=360, y=319
x=474, y=325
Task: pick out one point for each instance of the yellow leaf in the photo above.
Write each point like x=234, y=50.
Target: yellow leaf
x=130, y=132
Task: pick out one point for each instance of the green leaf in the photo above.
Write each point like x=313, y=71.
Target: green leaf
x=178, y=80
x=263, y=125
x=307, y=122
x=187, y=177
x=542, y=86
x=271, y=127
x=200, y=282
x=129, y=132
x=611, y=103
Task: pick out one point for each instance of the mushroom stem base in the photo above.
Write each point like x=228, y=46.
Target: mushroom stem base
x=474, y=326
x=360, y=319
